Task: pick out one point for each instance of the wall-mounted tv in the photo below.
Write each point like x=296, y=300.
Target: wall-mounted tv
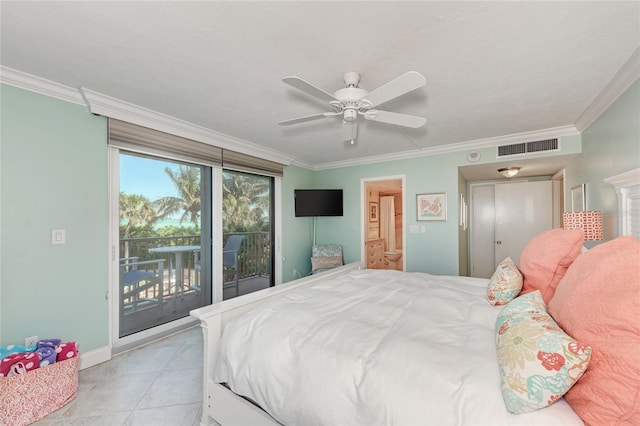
x=318, y=202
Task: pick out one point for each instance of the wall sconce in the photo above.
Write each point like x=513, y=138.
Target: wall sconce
x=589, y=222
x=509, y=172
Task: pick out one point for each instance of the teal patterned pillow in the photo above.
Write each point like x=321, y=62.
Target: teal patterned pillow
x=505, y=284
x=538, y=361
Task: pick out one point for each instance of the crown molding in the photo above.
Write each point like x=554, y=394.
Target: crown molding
x=624, y=180
x=621, y=81
x=111, y=107
x=39, y=85
x=554, y=132
x=299, y=163
x=108, y=106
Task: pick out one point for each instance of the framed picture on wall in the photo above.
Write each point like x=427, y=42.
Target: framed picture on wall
x=431, y=206
x=578, y=199
x=373, y=212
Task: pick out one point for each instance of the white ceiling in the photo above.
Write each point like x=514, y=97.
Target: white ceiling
x=492, y=68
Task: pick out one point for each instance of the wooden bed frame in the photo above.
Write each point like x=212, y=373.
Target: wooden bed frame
x=219, y=403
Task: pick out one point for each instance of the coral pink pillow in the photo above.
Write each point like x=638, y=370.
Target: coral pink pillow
x=545, y=260
x=598, y=304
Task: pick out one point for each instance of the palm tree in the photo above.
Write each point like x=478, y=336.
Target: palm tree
x=137, y=211
x=245, y=202
x=188, y=201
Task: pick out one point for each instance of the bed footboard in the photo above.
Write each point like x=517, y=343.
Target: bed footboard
x=218, y=402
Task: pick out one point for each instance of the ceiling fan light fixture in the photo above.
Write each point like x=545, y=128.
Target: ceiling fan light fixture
x=509, y=172
x=350, y=115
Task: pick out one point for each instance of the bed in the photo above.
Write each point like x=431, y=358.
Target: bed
x=367, y=347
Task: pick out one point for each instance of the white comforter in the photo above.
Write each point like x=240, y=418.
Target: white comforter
x=375, y=348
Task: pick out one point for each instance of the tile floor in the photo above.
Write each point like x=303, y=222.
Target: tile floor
x=157, y=384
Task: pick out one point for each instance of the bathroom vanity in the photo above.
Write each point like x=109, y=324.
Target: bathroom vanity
x=375, y=254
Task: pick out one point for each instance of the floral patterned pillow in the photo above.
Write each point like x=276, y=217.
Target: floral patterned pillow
x=505, y=283
x=538, y=361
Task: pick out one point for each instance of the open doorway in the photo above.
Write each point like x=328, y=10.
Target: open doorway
x=383, y=219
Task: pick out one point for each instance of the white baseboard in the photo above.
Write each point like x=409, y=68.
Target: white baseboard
x=94, y=357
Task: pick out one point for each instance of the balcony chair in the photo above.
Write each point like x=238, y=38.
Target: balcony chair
x=325, y=257
x=134, y=281
x=230, y=260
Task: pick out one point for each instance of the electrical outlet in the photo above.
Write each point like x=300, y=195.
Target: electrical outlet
x=29, y=341
x=296, y=274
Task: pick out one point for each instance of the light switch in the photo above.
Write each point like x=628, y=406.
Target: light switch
x=423, y=229
x=414, y=229
x=58, y=236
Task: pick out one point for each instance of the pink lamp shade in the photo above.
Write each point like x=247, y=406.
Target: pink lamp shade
x=589, y=222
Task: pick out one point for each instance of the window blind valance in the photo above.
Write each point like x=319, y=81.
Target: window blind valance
x=149, y=141
x=154, y=142
x=248, y=163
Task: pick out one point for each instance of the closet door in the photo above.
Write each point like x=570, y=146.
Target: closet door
x=504, y=218
x=482, y=230
x=522, y=211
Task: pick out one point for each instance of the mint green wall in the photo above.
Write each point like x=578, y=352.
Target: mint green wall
x=436, y=250
x=53, y=175
x=297, y=232
x=611, y=145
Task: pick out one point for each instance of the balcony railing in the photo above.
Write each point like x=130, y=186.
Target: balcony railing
x=253, y=257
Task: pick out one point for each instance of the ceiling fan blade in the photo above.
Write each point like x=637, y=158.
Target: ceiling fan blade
x=309, y=88
x=397, y=87
x=349, y=130
x=395, y=118
x=307, y=118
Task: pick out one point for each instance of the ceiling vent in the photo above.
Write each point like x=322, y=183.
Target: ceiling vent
x=525, y=148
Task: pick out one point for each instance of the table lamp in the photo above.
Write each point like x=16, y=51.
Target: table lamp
x=590, y=222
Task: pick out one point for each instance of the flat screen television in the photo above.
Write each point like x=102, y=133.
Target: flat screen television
x=318, y=202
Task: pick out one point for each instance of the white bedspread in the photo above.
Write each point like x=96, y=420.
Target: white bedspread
x=375, y=348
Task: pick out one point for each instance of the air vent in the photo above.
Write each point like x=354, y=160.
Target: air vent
x=546, y=145
x=518, y=148
x=528, y=147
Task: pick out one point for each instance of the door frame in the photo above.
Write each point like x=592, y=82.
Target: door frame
x=558, y=182
x=364, y=211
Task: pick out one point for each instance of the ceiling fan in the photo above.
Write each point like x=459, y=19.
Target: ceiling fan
x=353, y=101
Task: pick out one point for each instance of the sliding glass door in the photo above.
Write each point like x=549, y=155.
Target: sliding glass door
x=164, y=240
x=187, y=229
x=248, y=232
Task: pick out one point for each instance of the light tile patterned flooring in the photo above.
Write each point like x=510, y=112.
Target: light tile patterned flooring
x=157, y=384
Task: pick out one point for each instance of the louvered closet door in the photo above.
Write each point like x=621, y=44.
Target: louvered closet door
x=631, y=218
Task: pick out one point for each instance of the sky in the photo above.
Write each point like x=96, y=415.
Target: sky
x=144, y=176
